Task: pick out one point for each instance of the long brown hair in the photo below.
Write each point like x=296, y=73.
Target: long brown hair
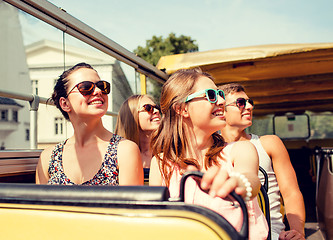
x=127, y=125
x=170, y=143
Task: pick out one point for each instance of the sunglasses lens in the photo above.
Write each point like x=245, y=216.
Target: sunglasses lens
x=104, y=86
x=240, y=102
x=148, y=108
x=86, y=88
x=211, y=94
x=221, y=93
x=251, y=102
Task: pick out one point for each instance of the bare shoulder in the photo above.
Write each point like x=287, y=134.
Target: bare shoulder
x=270, y=139
x=127, y=145
x=128, y=151
x=46, y=154
x=241, y=146
x=242, y=150
x=271, y=142
x=43, y=165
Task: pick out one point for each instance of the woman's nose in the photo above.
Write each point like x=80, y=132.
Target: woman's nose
x=220, y=100
x=97, y=90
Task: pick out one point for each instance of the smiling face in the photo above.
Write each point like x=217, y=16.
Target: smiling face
x=205, y=115
x=148, y=121
x=93, y=105
x=240, y=117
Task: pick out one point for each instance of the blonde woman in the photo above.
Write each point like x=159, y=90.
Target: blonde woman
x=138, y=117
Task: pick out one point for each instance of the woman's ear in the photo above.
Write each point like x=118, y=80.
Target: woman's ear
x=181, y=110
x=64, y=104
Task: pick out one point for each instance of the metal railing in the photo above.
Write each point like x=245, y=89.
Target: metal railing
x=59, y=18
x=34, y=102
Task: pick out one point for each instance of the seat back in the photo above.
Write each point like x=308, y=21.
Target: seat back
x=29, y=211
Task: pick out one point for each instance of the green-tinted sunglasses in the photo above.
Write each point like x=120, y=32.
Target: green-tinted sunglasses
x=211, y=95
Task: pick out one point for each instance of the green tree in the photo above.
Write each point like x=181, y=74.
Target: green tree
x=157, y=47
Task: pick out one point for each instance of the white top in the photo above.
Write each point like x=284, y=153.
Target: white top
x=273, y=188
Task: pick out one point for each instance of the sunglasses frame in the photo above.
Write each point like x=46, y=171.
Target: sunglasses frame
x=104, y=91
x=196, y=94
x=152, y=107
x=237, y=104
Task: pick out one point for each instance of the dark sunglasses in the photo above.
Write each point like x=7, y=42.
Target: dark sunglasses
x=87, y=87
x=150, y=108
x=211, y=95
x=241, y=102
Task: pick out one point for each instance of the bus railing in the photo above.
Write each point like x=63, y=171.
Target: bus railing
x=34, y=101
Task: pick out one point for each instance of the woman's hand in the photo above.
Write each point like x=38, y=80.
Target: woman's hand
x=217, y=183
x=291, y=234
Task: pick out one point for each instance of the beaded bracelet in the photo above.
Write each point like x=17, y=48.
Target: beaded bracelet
x=246, y=183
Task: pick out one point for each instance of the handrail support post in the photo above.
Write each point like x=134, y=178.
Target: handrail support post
x=34, y=104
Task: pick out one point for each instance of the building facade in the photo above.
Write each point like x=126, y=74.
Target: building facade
x=46, y=63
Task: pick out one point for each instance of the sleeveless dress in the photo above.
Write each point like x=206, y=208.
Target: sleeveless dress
x=258, y=228
x=106, y=175
x=273, y=189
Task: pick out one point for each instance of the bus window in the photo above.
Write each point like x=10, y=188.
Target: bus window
x=292, y=126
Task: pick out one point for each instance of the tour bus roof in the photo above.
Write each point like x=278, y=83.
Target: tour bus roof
x=279, y=78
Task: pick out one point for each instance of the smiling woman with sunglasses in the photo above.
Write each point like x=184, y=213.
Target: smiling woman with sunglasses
x=138, y=117
x=187, y=138
x=93, y=155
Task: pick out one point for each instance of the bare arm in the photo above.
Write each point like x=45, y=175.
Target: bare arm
x=155, y=177
x=42, y=175
x=130, y=164
x=246, y=162
x=287, y=181
x=245, y=159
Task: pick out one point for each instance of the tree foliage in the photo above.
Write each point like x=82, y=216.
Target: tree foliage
x=157, y=47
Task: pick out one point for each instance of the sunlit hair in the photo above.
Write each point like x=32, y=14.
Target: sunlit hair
x=232, y=88
x=127, y=124
x=61, y=87
x=171, y=142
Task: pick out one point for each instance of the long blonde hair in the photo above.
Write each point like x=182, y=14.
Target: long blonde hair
x=127, y=125
x=170, y=142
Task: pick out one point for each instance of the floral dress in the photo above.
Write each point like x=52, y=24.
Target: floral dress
x=106, y=175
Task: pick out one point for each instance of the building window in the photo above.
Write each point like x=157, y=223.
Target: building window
x=27, y=134
x=58, y=126
x=15, y=116
x=4, y=115
x=34, y=85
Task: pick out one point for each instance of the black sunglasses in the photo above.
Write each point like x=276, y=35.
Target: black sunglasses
x=150, y=108
x=241, y=102
x=88, y=87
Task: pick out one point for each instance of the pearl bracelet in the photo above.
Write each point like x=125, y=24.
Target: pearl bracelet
x=246, y=183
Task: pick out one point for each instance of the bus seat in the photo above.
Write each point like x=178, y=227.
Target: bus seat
x=146, y=175
x=29, y=211
x=325, y=191
x=263, y=200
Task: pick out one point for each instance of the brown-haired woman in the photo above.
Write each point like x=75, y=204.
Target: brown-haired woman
x=93, y=155
x=193, y=111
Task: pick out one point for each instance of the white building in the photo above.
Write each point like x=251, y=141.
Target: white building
x=14, y=77
x=45, y=61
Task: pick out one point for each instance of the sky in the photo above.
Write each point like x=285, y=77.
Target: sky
x=213, y=24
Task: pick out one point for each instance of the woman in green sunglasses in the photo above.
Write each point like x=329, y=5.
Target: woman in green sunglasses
x=187, y=138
